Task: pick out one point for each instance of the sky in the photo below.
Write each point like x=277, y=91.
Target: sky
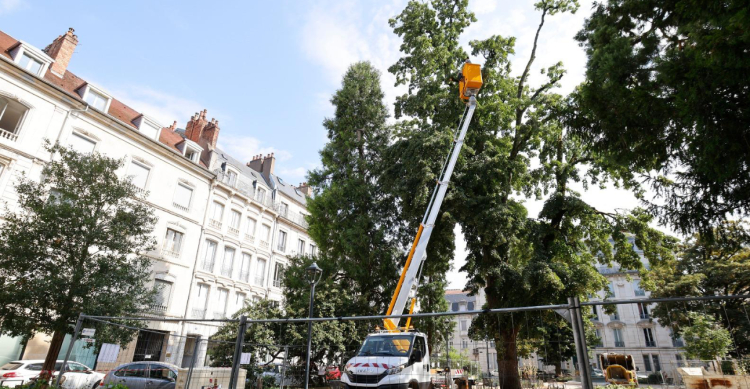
x=267, y=70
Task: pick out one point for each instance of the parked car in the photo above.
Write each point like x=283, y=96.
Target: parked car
x=597, y=373
x=76, y=376
x=142, y=375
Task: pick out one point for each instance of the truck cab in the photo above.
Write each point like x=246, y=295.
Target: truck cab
x=390, y=360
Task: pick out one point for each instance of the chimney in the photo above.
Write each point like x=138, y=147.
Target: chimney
x=61, y=50
x=211, y=133
x=305, y=189
x=172, y=127
x=263, y=165
x=202, y=131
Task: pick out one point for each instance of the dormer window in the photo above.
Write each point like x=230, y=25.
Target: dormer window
x=31, y=59
x=95, y=97
x=190, y=150
x=191, y=155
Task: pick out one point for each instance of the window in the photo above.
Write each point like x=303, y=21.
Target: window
x=12, y=114
x=420, y=345
x=245, y=267
x=221, y=302
x=218, y=211
x=619, y=341
x=173, y=242
x=260, y=272
x=139, y=174
x=182, y=197
x=282, y=240
x=611, y=288
x=209, y=255
x=646, y=362
x=235, y=222
x=595, y=311
x=464, y=344
x=199, y=312
x=284, y=208
x=96, y=99
x=680, y=362
x=657, y=363
x=239, y=299
x=643, y=311
x=470, y=306
x=191, y=155
x=462, y=307
x=260, y=195
x=250, y=227
x=228, y=263
x=464, y=325
x=230, y=177
x=163, y=291
x=278, y=273
x=454, y=307
x=30, y=64
x=313, y=250
x=301, y=247
x=136, y=370
x=81, y=144
x=649, y=336
x=637, y=288
x=161, y=372
x=265, y=233
x=599, y=338
x=616, y=315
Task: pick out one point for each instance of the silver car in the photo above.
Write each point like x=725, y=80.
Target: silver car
x=143, y=375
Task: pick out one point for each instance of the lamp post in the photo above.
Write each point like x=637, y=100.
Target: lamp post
x=313, y=274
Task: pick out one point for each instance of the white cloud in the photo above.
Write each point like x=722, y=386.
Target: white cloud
x=8, y=6
x=481, y=7
x=162, y=106
x=245, y=148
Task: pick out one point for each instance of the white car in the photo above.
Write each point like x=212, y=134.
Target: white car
x=76, y=376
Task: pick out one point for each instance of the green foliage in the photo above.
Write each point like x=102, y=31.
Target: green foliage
x=715, y=263
x=665, y=97
x=705, y=339
x=75, y=244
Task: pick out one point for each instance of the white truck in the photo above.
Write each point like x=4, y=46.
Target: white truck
x=398, y=358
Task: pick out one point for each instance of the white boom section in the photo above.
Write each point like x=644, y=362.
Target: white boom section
x=428, y=222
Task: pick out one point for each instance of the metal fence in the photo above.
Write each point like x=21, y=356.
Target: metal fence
x=157, y=352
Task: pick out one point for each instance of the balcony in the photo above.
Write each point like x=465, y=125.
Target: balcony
x=650, y=343
x=233, y=231
x=264, y=245
x=294, y=217
x=281, y=247
x=170, y=253
x=180, y=207
x=226, y=271
x=277, y=283
x=619, y=343
x=236, y=183
x=198, y=313
x=678, y=343
x=645, y=316
x=259, y=280
x=249, y=238
x=214, y=223
x=615, y=317
x=158, y=309
x=220, y=315
x=207, y=266
x=8, y=135
x=640, y=292
x=245, y=276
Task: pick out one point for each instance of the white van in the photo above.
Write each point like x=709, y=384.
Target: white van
x=395, y=360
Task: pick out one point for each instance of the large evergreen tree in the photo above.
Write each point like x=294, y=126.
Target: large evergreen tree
x=666, y=96
x=75, y=245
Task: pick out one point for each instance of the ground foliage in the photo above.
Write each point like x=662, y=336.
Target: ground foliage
x=712, y=264
x=666, y=97
x=75, y=244
x=518, y=260
x=705, y=339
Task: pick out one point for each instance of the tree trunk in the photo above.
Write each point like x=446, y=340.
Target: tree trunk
x=558, y=369
x=50, y=360
x=507, y=359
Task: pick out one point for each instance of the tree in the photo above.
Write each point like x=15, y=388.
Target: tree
x=665, y=96
x=518, y=260
x=711, y=264
x=353, y=218
x=705, y=339
x=75, y=245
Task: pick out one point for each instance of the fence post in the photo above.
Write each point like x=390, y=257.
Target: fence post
x=192, y=362
x=77, y=330
x=579, y=337
x=238, y=352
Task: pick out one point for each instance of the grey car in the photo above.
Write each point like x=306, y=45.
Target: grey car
x=143, y=375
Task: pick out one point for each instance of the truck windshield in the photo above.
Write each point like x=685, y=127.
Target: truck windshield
x=386, y=345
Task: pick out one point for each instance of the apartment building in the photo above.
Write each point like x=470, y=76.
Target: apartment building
x=224, y=229
x=482, y=352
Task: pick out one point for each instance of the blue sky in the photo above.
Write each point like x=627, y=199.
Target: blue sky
x=266, y=70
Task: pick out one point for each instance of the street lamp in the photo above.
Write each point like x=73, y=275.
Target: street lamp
x=312, y=274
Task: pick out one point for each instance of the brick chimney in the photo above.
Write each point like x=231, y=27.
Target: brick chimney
x=202, y=131
x=263, y=165
x=305, y=189
x=61, y=50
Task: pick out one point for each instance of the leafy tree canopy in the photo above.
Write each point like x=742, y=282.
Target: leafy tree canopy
x=705, y=339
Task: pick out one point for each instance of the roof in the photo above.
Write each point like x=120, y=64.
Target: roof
x=289, y=190
x=240, y=166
